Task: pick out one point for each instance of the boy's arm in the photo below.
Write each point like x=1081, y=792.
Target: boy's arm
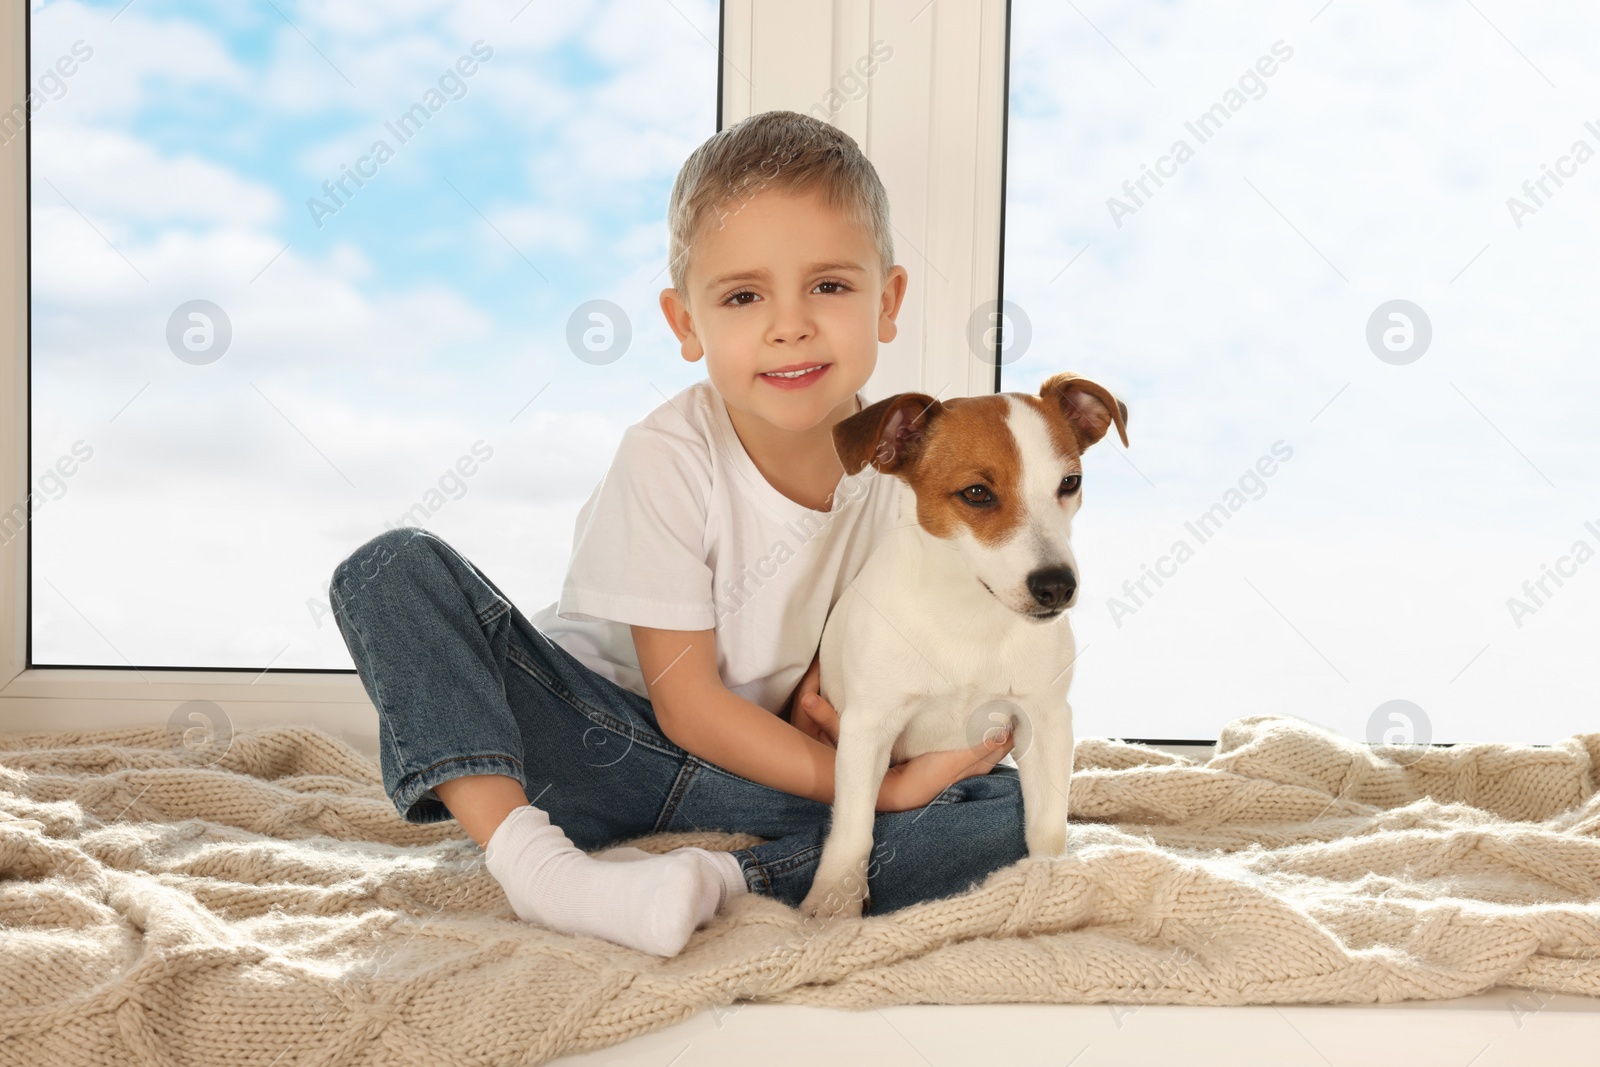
x=699, y=714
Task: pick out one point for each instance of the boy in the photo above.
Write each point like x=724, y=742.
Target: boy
x=663, y=691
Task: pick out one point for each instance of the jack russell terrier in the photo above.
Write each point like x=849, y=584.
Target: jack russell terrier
x=959, y=613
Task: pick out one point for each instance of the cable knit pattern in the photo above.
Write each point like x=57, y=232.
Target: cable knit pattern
x=272, y=908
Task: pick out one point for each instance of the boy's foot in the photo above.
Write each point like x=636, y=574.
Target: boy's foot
x=650, y=903
x=721, y=880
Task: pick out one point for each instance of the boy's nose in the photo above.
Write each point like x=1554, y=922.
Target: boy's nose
x=789, y=335
x=790, y=322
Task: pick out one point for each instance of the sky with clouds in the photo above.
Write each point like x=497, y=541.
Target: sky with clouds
x=1229, y=307
x=377, y=339
x=372, y=347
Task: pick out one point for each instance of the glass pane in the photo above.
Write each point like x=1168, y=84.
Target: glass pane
x=304, y=271
x=1339, y=261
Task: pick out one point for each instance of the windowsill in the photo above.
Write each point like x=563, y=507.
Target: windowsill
x=1480, y=1031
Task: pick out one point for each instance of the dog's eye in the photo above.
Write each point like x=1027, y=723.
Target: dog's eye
x=977, y=494
x=1070, y=483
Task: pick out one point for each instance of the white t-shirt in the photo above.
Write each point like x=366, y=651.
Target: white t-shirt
x=684, y=533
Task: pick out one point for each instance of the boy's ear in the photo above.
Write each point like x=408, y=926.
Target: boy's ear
x=1088, y=407
x=890, y=434
x=676, y=311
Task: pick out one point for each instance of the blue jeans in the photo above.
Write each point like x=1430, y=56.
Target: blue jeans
x=464, y=684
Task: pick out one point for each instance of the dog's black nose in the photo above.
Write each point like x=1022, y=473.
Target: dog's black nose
x=1053, y=586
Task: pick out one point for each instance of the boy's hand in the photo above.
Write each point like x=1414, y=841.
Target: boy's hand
x=912, y=783
x=919, y=779
x=810, y=714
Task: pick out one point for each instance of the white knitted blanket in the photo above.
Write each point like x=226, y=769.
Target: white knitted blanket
x=272, y=908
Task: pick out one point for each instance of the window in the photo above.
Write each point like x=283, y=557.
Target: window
x=305, y=271
x=1340, y=263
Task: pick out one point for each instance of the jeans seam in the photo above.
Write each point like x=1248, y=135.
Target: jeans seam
x=680, y=786
x=761, y=871
x=595, y=715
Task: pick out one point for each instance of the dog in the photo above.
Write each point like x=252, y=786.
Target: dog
x=956, y=621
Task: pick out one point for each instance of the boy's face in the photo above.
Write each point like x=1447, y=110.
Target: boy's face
x=785, y=279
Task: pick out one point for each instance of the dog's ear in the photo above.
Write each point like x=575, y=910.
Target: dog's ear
x=889, y=434
x=1088, y=406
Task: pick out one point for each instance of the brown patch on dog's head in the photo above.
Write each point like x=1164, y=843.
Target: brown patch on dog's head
x=941, y=451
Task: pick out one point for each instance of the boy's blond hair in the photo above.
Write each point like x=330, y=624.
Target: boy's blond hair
x=781, y=150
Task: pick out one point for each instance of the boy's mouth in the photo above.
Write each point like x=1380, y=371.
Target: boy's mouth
x=795, y=375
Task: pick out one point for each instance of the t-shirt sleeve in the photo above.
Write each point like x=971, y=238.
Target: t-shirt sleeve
x=638, y=548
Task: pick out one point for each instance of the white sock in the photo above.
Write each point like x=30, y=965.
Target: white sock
x=651, y=903
x=722, y=881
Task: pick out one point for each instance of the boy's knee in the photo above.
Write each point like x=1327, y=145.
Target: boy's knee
x=385, y=552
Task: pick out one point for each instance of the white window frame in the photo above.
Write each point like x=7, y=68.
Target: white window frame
x=932, y=121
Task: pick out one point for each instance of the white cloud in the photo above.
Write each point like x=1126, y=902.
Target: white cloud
x=134, y=57
x=149, y=186
x=334, y=322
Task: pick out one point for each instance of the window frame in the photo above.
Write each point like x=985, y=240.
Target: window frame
x=932, y=120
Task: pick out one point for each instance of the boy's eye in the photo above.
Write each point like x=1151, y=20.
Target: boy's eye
x=734, y=297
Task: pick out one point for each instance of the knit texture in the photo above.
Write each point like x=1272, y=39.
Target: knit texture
x=272, y=908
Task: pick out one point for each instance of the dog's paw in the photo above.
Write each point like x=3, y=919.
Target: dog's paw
x=835, y=901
